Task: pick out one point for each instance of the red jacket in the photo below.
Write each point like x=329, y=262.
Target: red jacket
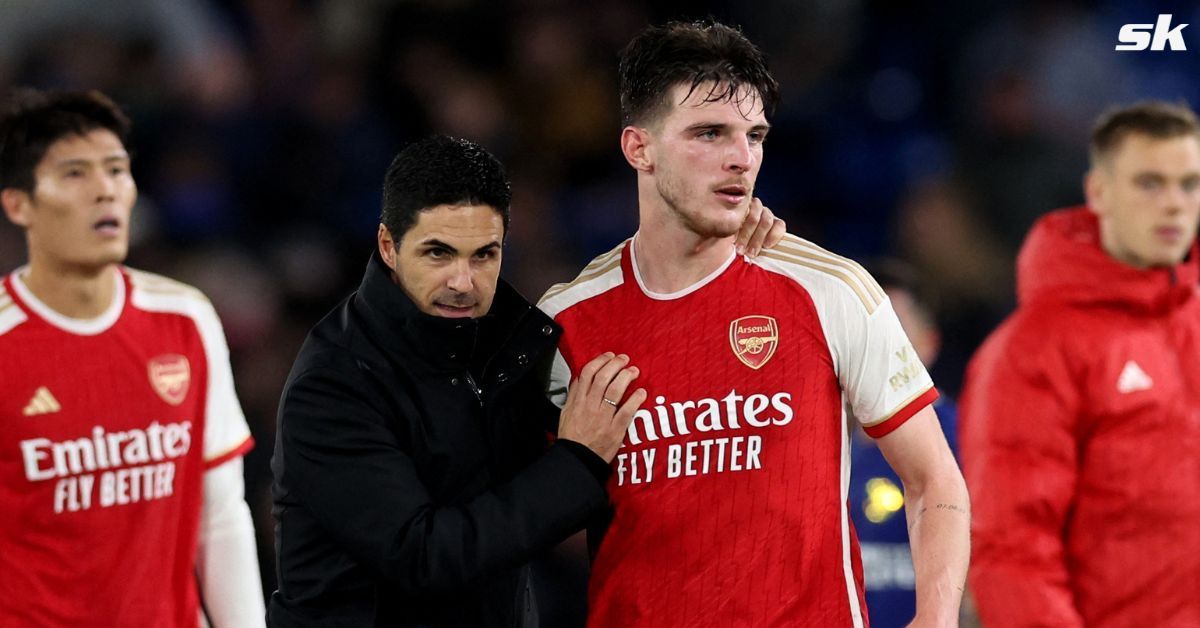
x=1080, y=436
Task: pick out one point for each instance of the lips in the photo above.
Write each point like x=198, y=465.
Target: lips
x=732, y=194
x=107, y=225
x=454, y=311
x=1168, y=233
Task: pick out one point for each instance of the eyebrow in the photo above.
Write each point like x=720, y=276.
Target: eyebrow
x=84, y=162
x=722, y=126
x=434, y=243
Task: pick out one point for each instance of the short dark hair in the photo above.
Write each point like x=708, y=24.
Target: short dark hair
x=690, y=53
x=1155, y=118
x=441, y=170
x=32, y=120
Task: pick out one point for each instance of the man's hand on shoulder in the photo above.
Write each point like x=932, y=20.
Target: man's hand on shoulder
x=761, y=230
x=597, y=412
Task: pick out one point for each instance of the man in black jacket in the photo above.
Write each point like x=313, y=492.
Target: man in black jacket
x=413, y=480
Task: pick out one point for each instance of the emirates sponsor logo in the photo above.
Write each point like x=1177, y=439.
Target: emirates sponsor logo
x=170, y=375
x=754, y=339
x=106, y=469
x=708, y=436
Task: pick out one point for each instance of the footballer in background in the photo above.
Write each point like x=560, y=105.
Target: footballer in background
x=122, y=438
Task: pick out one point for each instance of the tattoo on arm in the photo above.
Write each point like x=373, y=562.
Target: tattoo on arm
x=951, y=507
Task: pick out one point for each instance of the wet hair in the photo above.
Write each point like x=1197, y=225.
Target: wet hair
x=1154, y=118
x=690, y=54
x=31, y=121
x=441, y=170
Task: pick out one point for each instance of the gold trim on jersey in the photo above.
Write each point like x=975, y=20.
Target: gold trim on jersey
x=869, y=301
x=157, y=285
x=812, y=251
x=597, y=267
x=900, y=406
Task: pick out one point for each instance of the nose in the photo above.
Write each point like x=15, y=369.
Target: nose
x=460, y=277
x=740, y=156
x=106, y=187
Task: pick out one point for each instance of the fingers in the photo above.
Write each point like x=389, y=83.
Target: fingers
x=764, y=226
x=625, y=413
x=616, y=390
x=589, y=370
x=749, y=225
x=778, y=230
x=595, y=392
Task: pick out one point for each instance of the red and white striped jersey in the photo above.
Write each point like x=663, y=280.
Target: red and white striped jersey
x=108, y=427
x=730, y=490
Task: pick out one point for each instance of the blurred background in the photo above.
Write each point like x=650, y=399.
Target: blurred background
x=931, y=132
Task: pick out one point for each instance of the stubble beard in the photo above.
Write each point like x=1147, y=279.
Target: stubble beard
x=678, y=201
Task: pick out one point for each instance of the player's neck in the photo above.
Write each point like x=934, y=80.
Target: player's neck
x=71, y=291
x=671, y=258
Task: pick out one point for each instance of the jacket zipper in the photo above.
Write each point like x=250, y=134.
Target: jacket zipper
x=478, y=392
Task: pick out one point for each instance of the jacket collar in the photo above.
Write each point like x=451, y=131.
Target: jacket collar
x=444, y=344
x=1063, y=261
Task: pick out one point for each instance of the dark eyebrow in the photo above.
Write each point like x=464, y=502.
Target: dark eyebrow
x=719, y=126
x=83, y=162
x=434, y=243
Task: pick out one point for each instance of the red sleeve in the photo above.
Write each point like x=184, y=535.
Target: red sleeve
x=898, y=418
x=241, y=450
x=1018, y=451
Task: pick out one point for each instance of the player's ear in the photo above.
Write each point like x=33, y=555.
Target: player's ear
x=635, y=142
x=387, y=246
x=16, y=206
x=1094, y=191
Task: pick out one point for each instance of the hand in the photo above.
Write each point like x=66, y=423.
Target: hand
x=760, y=230
x=594, y=414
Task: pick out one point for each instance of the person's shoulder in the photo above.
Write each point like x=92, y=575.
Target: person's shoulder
x=602, y=274
x=155, y=293
x=11, y=314
x=828, y=278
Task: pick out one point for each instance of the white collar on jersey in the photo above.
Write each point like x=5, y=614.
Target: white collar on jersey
x=78, y=326
x=680, y=293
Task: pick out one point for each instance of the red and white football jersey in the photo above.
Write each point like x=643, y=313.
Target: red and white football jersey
x=730, y=490
x=108, y=427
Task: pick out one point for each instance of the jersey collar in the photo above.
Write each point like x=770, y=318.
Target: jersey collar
x=77, y=326
x=669, y=296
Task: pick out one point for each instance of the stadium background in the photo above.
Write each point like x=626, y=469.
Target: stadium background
x=262, y=128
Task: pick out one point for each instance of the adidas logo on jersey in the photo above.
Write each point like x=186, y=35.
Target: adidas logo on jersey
x=42, y=403
x=1133, y=379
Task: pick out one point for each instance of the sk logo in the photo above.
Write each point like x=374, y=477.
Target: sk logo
x=170, y=375
x=753, y=339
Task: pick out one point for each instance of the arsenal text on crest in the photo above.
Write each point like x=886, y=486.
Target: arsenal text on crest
x=754, y=339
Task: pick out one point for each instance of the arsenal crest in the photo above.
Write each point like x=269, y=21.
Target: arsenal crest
x=170, y=375
x=753, y=339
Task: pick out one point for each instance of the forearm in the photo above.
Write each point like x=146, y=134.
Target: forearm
x=939, y=524
x=227, y=559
